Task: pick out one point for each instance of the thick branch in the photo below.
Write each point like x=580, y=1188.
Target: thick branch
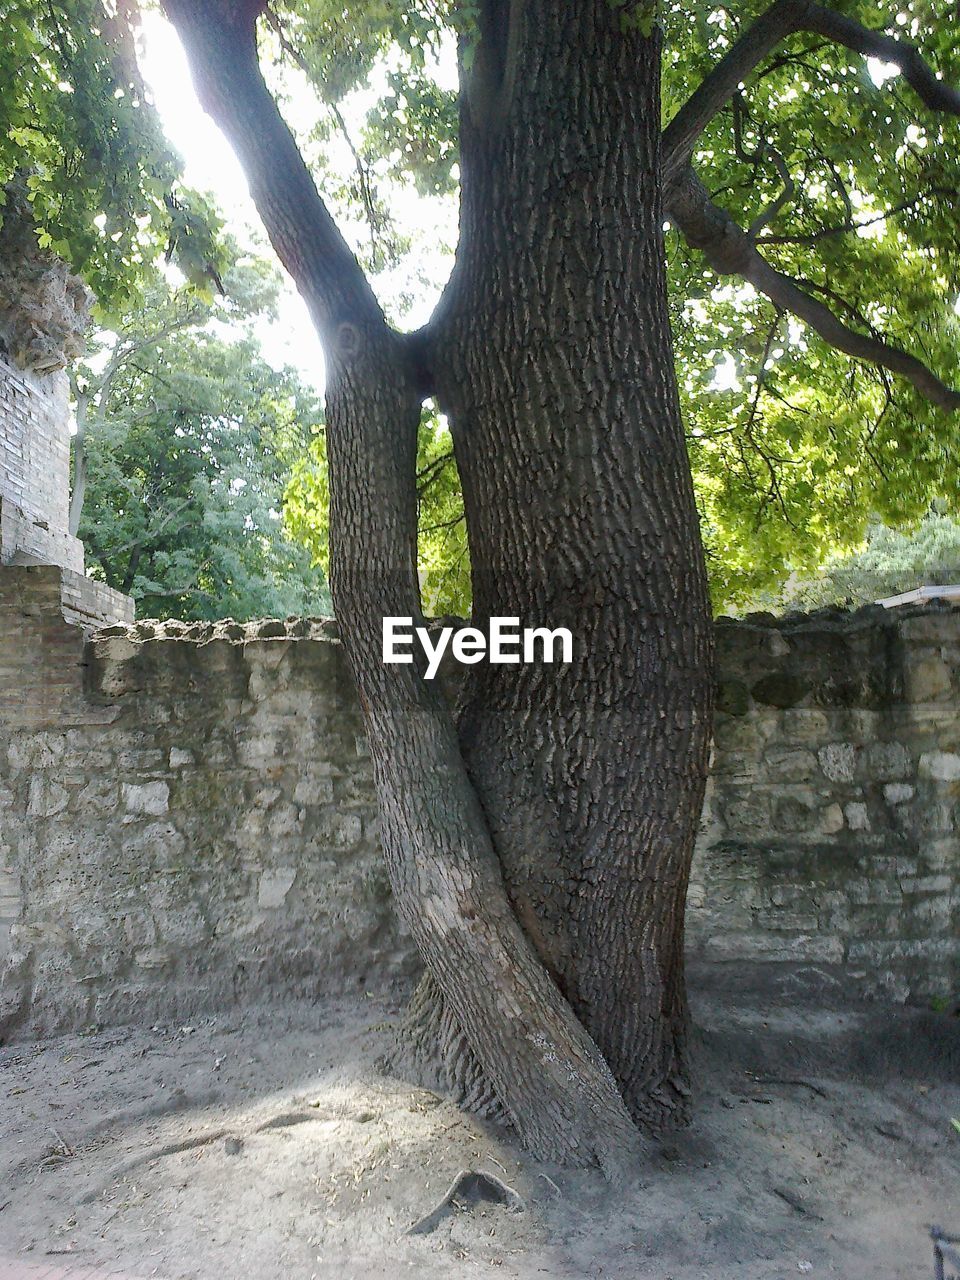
x=220, y=39
x=785, y=18
x=730, y=251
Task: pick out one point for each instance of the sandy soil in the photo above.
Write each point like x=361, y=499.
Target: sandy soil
x=268, y=1146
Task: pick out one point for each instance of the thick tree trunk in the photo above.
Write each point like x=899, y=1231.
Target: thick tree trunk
x=541, y=1064
x=553, y=356
x=554, y=362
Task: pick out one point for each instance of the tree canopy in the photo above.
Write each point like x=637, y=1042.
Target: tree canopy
x=842, y=177
x=833, y=162
x=76, y=125
x=187, y=438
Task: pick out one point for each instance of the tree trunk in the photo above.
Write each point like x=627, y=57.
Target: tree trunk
x=554, y=363
x=546, y=1072
x=552, y=874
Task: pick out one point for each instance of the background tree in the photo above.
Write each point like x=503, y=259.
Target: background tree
x=185, y=441
x=540, y=853
x=77, y=130
x=890, y=562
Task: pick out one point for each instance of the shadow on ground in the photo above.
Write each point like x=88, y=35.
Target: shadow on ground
x=267, y=1145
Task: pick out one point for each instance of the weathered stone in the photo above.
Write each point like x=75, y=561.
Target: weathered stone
x=146, y=797
x=928, y=680
x=897, y=792
x=733, y=698
x=795, y=812
x=943, y=766
x=780, y=689
x=46, y=797
x=838, y=761
x=831, y=820
x=275, y=885
x=857, y=816
x=886, y=761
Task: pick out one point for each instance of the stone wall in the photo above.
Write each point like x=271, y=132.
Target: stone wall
x=185, y=822
x=830, y=833
x=187, y=816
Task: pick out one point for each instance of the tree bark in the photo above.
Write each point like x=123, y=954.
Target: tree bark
x=554, y=363
x=542, y=1066
x=541, y=860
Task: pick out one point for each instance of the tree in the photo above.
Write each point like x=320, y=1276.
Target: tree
x=186, y=438
x=890, y=562
x=847, y=181
x=78, y=133
x=539, y=848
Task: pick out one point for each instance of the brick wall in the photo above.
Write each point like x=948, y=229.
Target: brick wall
x=35, y=469
x=187, y=815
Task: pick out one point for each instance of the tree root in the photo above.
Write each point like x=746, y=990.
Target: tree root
x=469, y=1188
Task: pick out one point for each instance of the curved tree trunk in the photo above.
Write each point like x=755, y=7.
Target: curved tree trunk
x=545, y=1070
x=554, y=362
x=542, y=866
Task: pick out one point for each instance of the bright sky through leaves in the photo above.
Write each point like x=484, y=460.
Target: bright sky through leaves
x=211, y=166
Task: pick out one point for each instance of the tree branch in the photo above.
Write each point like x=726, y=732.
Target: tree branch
x=844, y=228
x=220, y=40
x=730, y=251
x=785, y=18
x=367, y=196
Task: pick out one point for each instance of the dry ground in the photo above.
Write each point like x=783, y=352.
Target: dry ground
x=267, y=1146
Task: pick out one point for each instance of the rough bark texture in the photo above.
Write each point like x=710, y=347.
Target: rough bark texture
x=554, y=359
x=554, y=362
x=546, y=1072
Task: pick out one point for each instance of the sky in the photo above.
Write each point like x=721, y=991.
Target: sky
x=211, y=166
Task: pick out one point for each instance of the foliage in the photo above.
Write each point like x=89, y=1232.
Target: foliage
x=846, y=181
x=76, y=123
x=188, y=453
x=806, y=446
x=795, y=448
x=890, y=562
x=442, y=542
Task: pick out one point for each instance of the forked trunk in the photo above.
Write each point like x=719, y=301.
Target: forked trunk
x=547, y=873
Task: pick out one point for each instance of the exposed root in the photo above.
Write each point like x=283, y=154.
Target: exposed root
x=469, y=1188
x=431, y=1050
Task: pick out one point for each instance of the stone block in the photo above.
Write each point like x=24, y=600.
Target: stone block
x=838, y=761
x=928, y=679
x=942, y=766
x=274, y=886
x=145, y=797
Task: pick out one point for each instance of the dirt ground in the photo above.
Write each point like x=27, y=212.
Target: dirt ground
x=267, y=1145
